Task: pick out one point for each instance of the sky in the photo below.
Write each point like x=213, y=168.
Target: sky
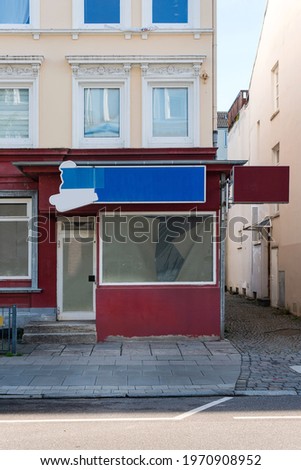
x=239, y=24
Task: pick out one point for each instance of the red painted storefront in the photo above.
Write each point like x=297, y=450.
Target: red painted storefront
x=125, y=310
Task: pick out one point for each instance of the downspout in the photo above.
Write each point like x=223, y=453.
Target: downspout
x=222, y=250
x=214, y=73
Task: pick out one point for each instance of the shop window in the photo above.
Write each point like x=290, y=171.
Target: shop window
x=19, y=13
x=101, y=13
x=171, y=14
x=15, y=247
x=158, y=249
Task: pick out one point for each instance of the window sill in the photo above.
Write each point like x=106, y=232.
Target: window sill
x=127, y=32
x=274, y=114
x=19, y=290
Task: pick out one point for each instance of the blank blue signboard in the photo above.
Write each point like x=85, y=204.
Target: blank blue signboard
x=129, y=184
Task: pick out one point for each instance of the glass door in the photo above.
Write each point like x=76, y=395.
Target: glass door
x=76, y=269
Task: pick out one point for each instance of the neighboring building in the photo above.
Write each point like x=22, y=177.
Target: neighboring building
x=265, y=131
x=222, y=135
x=108, y=84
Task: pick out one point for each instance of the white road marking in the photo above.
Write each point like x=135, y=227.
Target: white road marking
x=79, y=420
x=101, y=420
x=202, y=408
x=266, y=417
x=296, y=368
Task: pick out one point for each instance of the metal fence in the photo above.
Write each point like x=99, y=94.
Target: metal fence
x=8, y=329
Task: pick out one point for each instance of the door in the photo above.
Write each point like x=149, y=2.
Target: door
x=274, y=277
x=76, y=269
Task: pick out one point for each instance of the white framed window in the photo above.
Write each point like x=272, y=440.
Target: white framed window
x=18, y=121
x=101, y=114
x=19, y=14
x=276, y=154
x=170, y=113
x=15, y=247
x=171, y=14
x=275, y=86
x=101, y=14
x=160, y=248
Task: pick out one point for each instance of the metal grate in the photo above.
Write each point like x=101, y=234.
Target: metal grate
x=8, y=329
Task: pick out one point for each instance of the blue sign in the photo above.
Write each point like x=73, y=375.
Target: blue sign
x=82, y=185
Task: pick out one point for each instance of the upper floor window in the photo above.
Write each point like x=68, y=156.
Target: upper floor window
x=275, y=79
x=170, y=112
x=14, y=113
x=170, y=11
x=101, y=13
x=16, y=126
x=14, y=12
x=19, y=13
x=19, y=121
x=101, y=113
x=171, y=14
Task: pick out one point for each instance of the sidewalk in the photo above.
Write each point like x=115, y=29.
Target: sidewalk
x=261, y=356
x=121, y=369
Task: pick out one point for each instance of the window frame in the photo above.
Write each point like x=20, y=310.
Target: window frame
x=33, y=122
x=275, y=88
x=79, y=139
x=101, y=283
x=192, y=139
x=30, y=198
x=194, y=12
x=34, y=12
x=78, y=16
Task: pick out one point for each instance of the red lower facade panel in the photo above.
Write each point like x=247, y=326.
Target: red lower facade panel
x=141, y=311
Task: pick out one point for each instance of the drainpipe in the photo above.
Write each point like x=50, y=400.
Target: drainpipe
x=222, y=250
x=214, y=70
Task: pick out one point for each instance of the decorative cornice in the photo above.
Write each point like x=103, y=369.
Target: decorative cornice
x=103, y=70
x=118, y=66
x=20, y=66
x=171, y=70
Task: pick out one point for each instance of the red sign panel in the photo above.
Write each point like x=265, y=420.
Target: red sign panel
x=260, y=184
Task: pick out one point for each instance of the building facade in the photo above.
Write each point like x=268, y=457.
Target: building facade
x=125, y=83
x=264, y=248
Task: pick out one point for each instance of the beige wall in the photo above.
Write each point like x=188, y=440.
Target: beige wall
x=55, y=41
x=259, y=130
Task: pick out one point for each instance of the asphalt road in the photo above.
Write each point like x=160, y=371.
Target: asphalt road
x=241, y=423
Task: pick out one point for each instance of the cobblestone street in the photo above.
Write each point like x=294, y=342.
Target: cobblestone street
x=269, y=341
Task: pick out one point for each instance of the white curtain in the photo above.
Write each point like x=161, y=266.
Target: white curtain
x=14, y=12
x=170, y=112
x=14, y=113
